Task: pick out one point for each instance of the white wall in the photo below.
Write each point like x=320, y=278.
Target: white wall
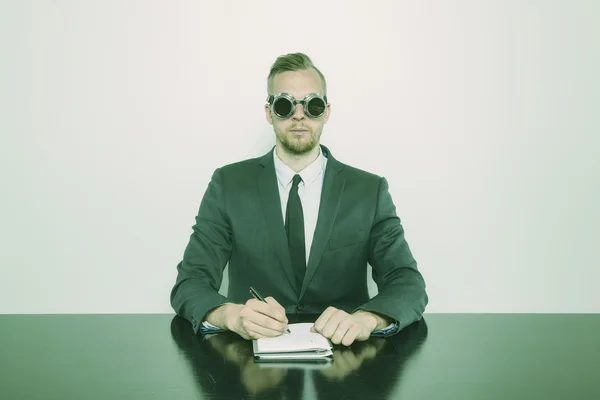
x=483, y=116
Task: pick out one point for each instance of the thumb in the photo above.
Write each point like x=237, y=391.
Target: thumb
x=271, y=301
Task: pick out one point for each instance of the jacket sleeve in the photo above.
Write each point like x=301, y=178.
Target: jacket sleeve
x=401, y=287
x=200, y=273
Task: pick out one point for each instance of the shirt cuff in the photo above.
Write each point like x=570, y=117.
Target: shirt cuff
x=392, y=328
x=207, y=327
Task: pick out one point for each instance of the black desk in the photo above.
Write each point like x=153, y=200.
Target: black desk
x=446, y=356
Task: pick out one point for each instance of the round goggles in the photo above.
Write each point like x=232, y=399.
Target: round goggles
x=284, y=105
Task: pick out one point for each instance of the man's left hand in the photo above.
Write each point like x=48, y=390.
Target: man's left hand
x=343, y=328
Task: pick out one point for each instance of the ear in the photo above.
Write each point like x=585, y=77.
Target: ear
x=268, y=114
x=327, y=112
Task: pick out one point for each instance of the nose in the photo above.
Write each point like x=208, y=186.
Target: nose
x=298, y=114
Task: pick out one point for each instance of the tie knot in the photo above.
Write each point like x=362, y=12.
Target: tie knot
x=296, y=180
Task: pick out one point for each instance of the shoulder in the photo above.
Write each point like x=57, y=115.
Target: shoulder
x=249, y=164
x=348, y=171
x=359, y=174
x=358, y=177
x=240, y=170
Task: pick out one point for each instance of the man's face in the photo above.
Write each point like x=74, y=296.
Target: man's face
x=298, y=134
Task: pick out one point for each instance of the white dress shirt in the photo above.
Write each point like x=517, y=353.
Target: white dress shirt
x=309, y=191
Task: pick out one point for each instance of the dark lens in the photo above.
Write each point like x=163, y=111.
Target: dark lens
x=316, y=107
x=282, y=107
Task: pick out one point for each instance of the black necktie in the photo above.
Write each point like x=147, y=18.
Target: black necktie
x=294, y=227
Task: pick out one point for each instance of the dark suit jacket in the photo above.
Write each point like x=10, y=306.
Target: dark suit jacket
x=240, y=222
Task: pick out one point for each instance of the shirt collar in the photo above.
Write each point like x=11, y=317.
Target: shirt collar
x=309, y=174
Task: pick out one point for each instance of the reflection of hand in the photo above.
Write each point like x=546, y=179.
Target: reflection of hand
x=254, y=378
x=257, y=379
x=257, y=319
x=343, y=328
x=347, y=360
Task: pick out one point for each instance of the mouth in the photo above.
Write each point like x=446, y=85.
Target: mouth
x=299, y=131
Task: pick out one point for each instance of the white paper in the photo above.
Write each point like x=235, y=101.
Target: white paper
x=301, y=339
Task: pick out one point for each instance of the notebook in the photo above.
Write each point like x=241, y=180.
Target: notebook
x=299, y=345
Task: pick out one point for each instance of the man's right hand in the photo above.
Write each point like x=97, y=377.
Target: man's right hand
x=256, y=319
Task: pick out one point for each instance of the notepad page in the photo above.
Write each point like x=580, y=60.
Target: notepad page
x=300, y=338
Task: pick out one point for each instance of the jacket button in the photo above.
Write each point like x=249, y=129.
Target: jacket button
x=300, y=306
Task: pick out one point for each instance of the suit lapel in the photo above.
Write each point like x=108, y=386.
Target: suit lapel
x=331, y=195
x=269, y=196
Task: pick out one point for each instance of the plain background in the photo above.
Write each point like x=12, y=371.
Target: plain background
x=482, y=115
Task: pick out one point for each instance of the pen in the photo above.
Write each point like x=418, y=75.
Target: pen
x=258, y=297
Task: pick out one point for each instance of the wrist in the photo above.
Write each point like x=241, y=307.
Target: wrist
x=381, y=322
x=221, y=316
x=370, y=320
x=231, y=313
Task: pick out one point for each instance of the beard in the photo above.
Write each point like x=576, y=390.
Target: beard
x=298, y=145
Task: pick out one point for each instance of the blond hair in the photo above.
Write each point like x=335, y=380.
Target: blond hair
x=293, y=62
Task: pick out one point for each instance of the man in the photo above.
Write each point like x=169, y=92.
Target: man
x=300, y=227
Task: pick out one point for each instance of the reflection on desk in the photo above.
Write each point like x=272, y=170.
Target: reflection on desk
x=157, y=356
x=224, y=367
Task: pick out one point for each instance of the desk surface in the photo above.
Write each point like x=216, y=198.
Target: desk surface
x=445, y=356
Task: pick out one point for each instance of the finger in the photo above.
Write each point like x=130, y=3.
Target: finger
x=250, y=313
x=267, y=309
x=333, y=323
x=324, y=318
x=270, y=300
x=351, y=361
x=342, y=329
x=256, y=331
x=341, y=363
x=266, y=321
x=368, y=351
x=351, y=335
